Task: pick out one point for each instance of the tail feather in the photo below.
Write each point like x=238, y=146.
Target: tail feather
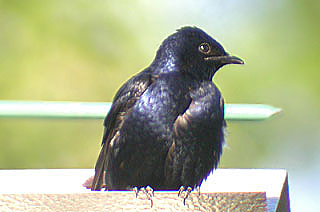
x=99, y=170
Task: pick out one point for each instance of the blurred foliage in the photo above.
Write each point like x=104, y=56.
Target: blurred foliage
x=81, y=50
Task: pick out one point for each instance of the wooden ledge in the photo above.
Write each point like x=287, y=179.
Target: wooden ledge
x=62, y=190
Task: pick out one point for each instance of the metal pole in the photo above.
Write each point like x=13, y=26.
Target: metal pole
x=98, y=110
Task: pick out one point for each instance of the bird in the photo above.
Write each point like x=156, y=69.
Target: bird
x=166, y=125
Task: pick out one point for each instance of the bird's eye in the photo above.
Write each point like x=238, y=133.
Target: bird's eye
x=204, y=48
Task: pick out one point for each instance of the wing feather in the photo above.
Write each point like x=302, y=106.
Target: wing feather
x=123, y=102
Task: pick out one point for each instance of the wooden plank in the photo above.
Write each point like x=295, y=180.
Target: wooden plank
x=284, y=202
x=126, y=201
x=62, y=190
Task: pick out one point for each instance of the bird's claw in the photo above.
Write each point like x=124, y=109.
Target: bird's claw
x=146, y=190
x=181, y=189
x=186, y=193
x=136, y=191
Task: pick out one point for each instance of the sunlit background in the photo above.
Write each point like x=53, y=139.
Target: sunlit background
x=81, y=50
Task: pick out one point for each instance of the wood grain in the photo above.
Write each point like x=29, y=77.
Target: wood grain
x=126, y=201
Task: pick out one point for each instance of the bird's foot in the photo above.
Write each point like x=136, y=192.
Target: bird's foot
x=136, y=191
x=181, y=189
x=185, y=192
x=148, y=191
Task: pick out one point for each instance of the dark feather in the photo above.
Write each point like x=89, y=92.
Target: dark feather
x=127, y=95
x=165, y=128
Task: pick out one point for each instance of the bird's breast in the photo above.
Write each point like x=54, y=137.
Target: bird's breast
x=157, y=109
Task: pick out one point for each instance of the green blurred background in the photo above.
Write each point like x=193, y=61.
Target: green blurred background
x=81, y=50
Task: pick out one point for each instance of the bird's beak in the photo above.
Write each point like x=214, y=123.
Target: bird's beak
x=225, y=59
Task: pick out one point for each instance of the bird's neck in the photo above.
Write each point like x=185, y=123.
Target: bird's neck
x=164, y=65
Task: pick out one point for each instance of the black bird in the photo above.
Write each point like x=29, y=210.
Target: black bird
x=165, y=128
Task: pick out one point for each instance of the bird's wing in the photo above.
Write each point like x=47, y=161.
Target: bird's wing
x=205, y=106
x=123, y=101
x=199, y=124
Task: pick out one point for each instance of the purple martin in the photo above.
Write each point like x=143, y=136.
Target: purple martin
x=165, y=128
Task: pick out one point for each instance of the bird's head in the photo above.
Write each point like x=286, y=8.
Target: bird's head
x=194, y=52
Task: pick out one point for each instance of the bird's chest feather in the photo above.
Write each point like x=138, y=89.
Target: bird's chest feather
x=163, y=101
x=157, y=109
